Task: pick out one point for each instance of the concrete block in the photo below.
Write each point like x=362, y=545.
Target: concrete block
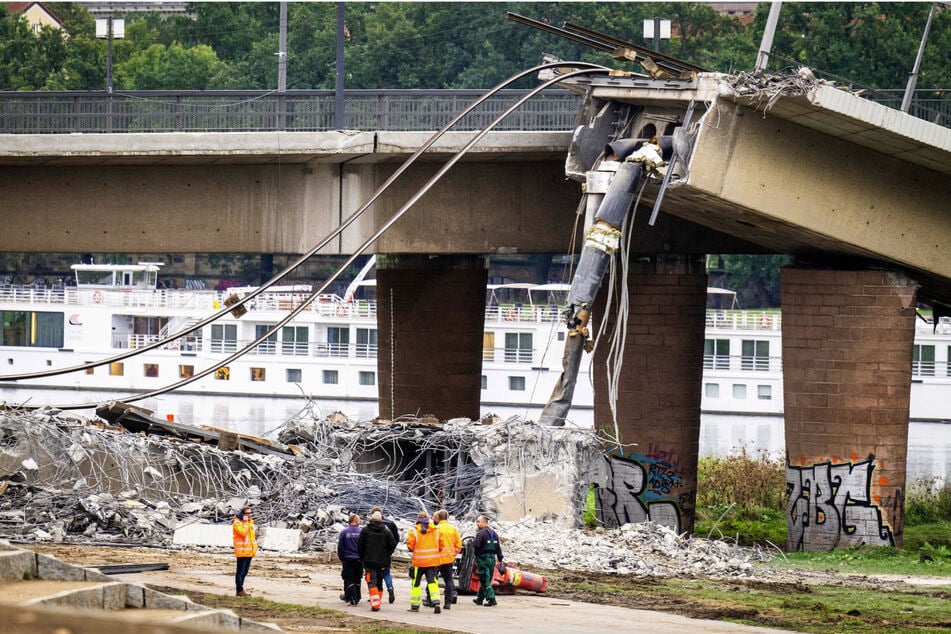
x=15, y=564
x=257, y=626
x=114, y=596
x=204, y=535
x=229, y=620
x=158, y=601
x=48, y=567
x=279, y=539
x=205, y=618
x=80, y=599
x=134, y=596
x=94, y=575
x=220, y=535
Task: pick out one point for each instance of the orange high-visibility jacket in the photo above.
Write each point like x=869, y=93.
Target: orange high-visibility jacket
x=425, y=545
x=451, y=542
x=245, y=544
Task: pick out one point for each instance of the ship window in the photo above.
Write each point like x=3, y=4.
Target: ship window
x=150, y=369
x=338, y=340
x=186, y=371
x=755, y=355
x=31, y=329
x=224, y=337
x=269, y=345
x=368, y=378
x=294, y=340
x=922, y=360
x=716, y=354
x=330, y=377
x=561, y=335
x=366, y=343
x=739, y=391
x=116, y=368
x=711, y=390
x=518, y=347
x=764, y=392
x=517, y=383
x=947, y=365
x=485, y=382
x=293, y=375
x=223, y=374
x=258, y=374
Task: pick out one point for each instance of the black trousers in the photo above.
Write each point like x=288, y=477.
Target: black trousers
x=352, y=574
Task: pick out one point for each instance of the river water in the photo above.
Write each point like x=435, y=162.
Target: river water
x=929, y=444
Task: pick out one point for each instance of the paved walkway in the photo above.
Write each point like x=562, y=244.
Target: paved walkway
x=523, y=613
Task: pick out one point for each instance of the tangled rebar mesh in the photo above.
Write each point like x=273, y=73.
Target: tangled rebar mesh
x=67, y=476
x=765, y=88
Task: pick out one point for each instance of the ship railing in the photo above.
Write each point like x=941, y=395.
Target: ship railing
x=508, y=355
x=190, y=343
x=32, y=295
x=742, y=363
x=345, y=350
x=523, y=313
x=931, y=369
x=743, y=320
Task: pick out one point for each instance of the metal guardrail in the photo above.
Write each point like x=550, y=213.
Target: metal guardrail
x=268, y=111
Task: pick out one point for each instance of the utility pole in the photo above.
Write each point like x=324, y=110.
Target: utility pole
x=762, y=58
x=656, y=29
x=913, y=77
x=109, y=56
x=338, y=92
x=282, y=51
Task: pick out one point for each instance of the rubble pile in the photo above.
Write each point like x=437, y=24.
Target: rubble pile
x=66, y=479
x=645, y=549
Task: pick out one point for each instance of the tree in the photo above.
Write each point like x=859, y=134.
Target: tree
x=755, y=278
x=171, y=68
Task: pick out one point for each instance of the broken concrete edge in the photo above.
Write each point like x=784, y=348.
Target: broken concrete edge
x=17, y=564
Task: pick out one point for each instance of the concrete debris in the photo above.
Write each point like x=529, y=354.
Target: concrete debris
x=96, y=484
x=767, y=88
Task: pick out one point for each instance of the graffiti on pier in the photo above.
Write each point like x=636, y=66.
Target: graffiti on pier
x=639, y=488
x=831, y=506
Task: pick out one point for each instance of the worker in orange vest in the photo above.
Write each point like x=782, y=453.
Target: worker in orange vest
x=425, y=543
x=451, y=546
x=245, y=548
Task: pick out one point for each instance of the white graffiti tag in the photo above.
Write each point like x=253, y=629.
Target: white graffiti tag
x=830, y=506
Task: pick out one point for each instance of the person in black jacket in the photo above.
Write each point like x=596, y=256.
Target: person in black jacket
x=390, y=524
x=375, y=545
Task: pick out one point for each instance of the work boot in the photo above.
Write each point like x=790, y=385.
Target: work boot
x=490, y=603
x=436, y=609
x=447, y=605
x=392, y=595
x=455, y=597
x=477, y=601
x=343, y=597
x=414, y=608
x=242, y=594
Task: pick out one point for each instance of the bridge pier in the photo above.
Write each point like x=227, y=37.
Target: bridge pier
x=847, y=351
x=658, y=393
x=430, y=320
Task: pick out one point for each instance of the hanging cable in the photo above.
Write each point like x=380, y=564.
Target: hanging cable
x=335, y=233
x=376, y=235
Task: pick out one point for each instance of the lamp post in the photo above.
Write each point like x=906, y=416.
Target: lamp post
x=107, y=29
x=656, y=29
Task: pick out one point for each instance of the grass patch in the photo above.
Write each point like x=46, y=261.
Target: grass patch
x=789, y=605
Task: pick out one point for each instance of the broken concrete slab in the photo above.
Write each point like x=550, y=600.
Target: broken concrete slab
x=220, y=535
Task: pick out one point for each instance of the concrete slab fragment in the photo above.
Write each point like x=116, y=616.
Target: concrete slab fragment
x=158, y=601
x=269, y=538
x=15, y=564
x=52, y=568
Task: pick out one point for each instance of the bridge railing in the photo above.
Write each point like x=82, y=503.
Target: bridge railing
x=263, y=111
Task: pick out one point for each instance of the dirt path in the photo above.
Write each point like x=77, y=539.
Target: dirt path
x=308, y=581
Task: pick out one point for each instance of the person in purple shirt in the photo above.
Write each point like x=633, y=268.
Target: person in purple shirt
x=349, y=555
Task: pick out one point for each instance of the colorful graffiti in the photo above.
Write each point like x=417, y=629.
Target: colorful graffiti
x=831, y=506
x=639, y=488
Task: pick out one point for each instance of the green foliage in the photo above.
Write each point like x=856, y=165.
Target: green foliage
x=454, y=44
x=928, y=500
x=590, y=514
x=755, y=278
